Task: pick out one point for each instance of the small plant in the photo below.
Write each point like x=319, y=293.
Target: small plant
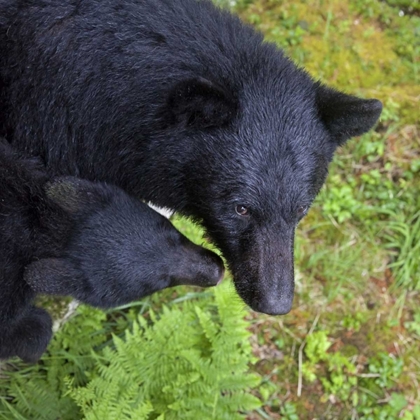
x=340, y=379
x=339, y=199
x=388, y=369
x=288, y=411
x=354, y=321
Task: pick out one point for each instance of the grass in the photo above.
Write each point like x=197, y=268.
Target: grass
x=350, y=348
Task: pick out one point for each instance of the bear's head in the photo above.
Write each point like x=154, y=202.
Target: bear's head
x=261, y=151
x=118, y=249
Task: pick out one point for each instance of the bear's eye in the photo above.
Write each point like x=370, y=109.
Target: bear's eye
x=241, y=210
x=302, y=210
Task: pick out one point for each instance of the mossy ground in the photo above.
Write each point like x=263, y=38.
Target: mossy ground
x=350, y=348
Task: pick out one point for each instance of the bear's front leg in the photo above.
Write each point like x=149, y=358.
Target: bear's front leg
x=28, y=337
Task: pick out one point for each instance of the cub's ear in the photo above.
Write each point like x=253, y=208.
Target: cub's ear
x=53, y=276
x=74, y=195
x=200, y=103
x=344, y=115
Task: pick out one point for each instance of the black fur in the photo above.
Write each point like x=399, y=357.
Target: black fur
x=181, y=104
x=88, y=240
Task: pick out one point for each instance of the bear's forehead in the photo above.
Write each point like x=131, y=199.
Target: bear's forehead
x=279, y=117
x=276, y=118
x=284, y=151
x=275, y=179
x=271, y=179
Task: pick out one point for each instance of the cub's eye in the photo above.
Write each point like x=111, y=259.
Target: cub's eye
x=302, y=210
x=241, y=210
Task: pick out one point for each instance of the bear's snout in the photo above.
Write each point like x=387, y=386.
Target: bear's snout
x=264, y=278
x=207, y=269
x=197, y=266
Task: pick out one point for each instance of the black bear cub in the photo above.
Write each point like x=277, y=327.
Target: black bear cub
x=68, y=236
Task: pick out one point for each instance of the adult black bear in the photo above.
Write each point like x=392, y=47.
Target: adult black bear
x=84, y=239
x=181, y=104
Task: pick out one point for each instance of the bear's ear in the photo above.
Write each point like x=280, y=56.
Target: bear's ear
x=200, y=103
x=73, y=195
x=53, y=276
x=344, y=115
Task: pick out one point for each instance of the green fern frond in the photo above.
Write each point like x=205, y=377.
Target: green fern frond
x=190, y=360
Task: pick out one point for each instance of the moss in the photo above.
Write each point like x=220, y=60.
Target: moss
x=340, y=43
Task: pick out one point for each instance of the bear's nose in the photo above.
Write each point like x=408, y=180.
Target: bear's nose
x=273, y=305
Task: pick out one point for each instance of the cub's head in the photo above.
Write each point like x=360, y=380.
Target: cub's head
x=120, y=245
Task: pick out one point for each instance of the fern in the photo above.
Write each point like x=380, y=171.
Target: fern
x=188, y=361
x=175, y=368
